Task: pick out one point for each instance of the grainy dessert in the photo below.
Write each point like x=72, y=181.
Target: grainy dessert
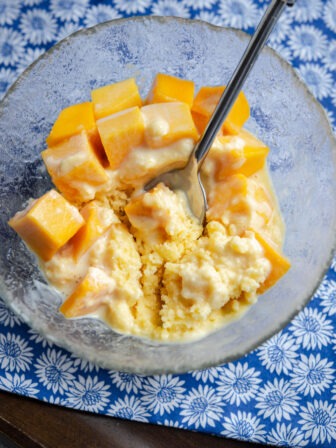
x=139, y=260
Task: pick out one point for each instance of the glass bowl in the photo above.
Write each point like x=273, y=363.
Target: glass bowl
x=283, y=114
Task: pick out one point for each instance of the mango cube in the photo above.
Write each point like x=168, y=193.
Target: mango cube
x=241, y=203
x=97, y=220
x=167, y=88
x=73, y=120
x=120, y=133
x=206, y=100
x=47, y=224
x=108, y=100
x=75, y=168
x=146, y=216
x=92, y=292
x=279, y=264
x=167, y=122
x=243, y=154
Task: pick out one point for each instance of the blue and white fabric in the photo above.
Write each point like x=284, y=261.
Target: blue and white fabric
x=284, y=392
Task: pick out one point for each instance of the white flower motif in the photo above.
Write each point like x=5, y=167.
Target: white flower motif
x=333, y=264
x=279, y=353
x=69, y=9
x=132, y=6
x=199, y=4
x=129, y=408
x=30, y=56
x=306, y=10
x=285, y=435
x=7, y=317
x=307, y=42
x=206, y=375
x=9, y=11
x=85, y=366
x=38, y=339
x=238, y=383
x=277, y=400
x=18, y=384
x=282, y=29
x=238, y=13
x=210, y=17
x=162, y=393
x=31, y=2
x=170, y=8
x=126, y=381
x=283, y=50
x=11, y=46
x=311, y=329
x=318, y=79
x=55, y=400
x=67, y=29
x=99, y=14
x=244, y=426
x=333, y=391
x=202, y=407
x=331, y=117
x=15, y=354
x=88, y=394
x=312, y=375
x=318, y=421
x=329, y=57
x=38, y=26
x=329, y=14
x=327, y=294
x=55, y=371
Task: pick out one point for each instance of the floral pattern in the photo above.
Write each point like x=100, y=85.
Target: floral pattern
x=284, y=392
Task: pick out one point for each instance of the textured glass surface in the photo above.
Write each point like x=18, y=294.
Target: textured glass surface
x=284, y=115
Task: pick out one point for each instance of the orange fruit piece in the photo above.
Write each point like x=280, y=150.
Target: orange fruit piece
x=47, y=224
x=168, y=88
x=205, y=102
x=279, y=263
x=74, y=168
x=167, y=122
x=113, y=98
x=120, y=133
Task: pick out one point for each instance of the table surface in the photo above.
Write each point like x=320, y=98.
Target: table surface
x=29, y=423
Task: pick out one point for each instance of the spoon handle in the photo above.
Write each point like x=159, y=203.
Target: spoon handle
x=239, y=76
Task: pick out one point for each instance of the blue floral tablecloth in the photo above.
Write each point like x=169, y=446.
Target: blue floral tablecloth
x=283, y=393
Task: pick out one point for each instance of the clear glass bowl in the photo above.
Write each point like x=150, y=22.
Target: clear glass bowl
x=284, y=115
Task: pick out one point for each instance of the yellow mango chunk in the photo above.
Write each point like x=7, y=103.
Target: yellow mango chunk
x=108, y=100
x=201, y=122
x=279, y=263
x=73, y=120
x=240, y=203
x=120, y=133
x=47, y=224
x=168, y=88
x=143, y=212
x=93, y=291
x=243, y=154
x=206, y=100
x=75, y=168
x=97, y=220
x=167, y=122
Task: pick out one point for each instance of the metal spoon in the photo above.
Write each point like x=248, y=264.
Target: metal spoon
x=187, y=179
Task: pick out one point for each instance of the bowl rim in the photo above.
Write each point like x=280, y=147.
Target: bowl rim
x=225, y=358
